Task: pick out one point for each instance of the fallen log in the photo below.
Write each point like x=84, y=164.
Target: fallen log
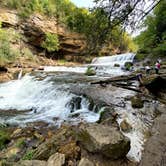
x=115, y=79
x=126, y=87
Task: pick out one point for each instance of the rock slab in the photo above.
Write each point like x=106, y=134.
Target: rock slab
x=108, y=141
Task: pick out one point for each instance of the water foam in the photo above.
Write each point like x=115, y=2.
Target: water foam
x=44, y=100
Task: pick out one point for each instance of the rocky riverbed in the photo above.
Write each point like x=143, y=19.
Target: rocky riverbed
x=124, y=117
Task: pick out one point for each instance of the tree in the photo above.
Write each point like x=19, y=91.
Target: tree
x=153, y=39
x=51, y=42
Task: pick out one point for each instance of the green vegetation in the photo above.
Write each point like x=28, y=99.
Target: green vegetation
x=9, y=49
x=28, y=155
x=4, y=138
x=20, y=143
x=152, y=41
x=90, y=71
x=7, y=54
x=51, y=42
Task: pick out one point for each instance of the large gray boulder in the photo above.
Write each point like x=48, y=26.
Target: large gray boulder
x=108, y=141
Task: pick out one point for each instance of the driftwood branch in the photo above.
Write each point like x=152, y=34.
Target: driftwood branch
x=122, y=82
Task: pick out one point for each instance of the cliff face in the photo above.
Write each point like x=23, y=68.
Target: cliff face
x=35, y=28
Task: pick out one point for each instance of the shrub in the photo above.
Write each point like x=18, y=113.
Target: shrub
x=4, y=139
x=90, y=71
x=51, y=42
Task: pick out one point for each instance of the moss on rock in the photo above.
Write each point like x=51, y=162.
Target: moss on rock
x=137, y=102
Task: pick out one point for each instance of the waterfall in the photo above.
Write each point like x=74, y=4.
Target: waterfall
x=40, y=101
x=20, y=74
x=115, y=59
x=80, y=69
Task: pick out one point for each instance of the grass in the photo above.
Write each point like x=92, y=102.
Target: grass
x=4, y=139
x=28, y=155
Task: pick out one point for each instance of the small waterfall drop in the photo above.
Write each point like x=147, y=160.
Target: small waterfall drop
x=35, y=100
x=20, y=74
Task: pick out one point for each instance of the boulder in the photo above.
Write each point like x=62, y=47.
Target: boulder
x=137, y=102
x=116, y=65
x=106, y=113
x=56, y=159
x=125, y=126
x=74, y=104
x=85, y=162
x=155, y=83
x=90, y=71
x=105, y=140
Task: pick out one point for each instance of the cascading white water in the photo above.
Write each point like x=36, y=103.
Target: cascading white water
x=102, y=65
x=65, y=69
x=114, y=59
x=140, y=120
x=106, y=64
x=44, y=100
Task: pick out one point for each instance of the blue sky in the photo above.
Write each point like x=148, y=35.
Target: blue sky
x=83, y=3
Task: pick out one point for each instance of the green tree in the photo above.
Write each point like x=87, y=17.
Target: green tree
x=152, y=41
x=51, y=42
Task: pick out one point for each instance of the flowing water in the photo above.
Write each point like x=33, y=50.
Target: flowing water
x=44, y=101
x=46, y=96
x=102, y=65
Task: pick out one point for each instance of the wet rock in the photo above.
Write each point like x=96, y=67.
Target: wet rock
x=85, y=162
x=74, y=104
x=106, y=113
x=137, y=102
x=116, y=65
x=155, y=83
x=90, y=71
x=56, y=159
x=125, y=126
x=31, y=163
x=106, y=140
x=128, y=65
x=99, y=106
x=108, y=117
x=12, y=112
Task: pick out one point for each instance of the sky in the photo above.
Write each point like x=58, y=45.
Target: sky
x=83, y=3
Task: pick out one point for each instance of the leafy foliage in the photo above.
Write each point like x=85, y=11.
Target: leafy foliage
x=4, y=138
x=6, y=54
x=51, y=42
x=152, y=40
x=29, y=155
